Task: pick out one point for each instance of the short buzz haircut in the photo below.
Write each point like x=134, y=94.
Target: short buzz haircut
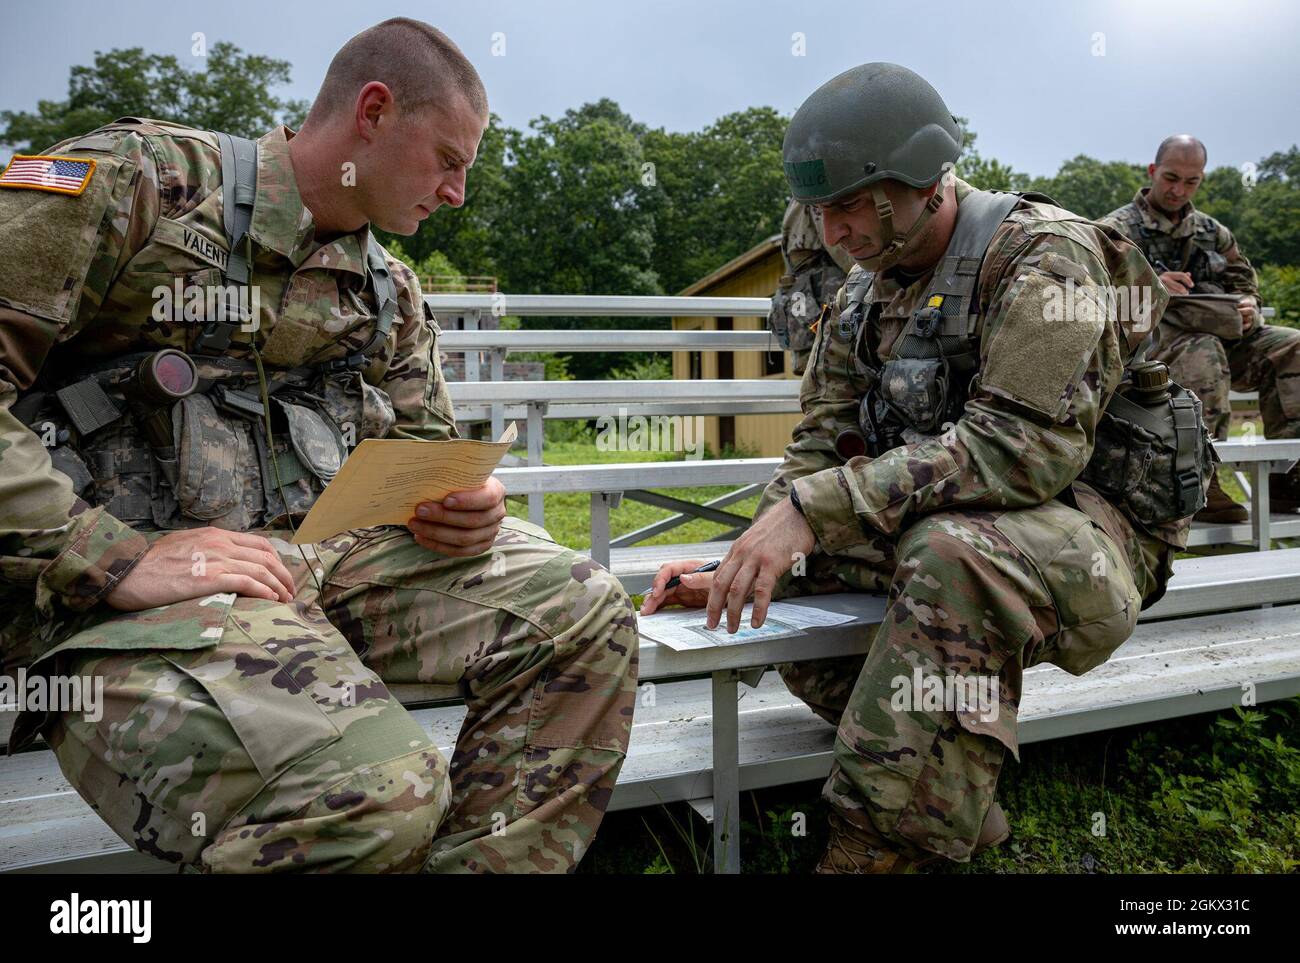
x=417, y=62
x=1181, y=142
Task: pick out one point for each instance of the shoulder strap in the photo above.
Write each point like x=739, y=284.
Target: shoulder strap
x=956, y=281
x=238, y=191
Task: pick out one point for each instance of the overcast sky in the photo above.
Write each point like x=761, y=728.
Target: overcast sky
x=1039, y=81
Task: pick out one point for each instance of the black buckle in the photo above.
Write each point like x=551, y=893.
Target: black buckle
x=928, y=322
x=1190, y=492
x=237, y=402
x=353, y=362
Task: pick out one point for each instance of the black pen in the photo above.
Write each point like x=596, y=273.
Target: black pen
x=676, y=580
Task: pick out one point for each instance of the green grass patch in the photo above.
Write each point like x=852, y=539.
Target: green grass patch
x=1213, y=793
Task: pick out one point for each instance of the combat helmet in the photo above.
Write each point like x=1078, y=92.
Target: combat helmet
x=874, y=122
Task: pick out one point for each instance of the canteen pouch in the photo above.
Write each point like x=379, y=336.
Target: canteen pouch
x=1154, y=463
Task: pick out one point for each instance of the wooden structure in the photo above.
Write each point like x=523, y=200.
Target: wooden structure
x=753, y=274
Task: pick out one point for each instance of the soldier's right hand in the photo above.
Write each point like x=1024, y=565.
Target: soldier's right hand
x=692, y=592
x=1177, y=282
x=202, y=561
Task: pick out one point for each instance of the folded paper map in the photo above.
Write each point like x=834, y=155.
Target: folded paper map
x=383, y=480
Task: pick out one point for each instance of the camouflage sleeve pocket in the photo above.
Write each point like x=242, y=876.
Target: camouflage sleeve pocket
x=1040, y=340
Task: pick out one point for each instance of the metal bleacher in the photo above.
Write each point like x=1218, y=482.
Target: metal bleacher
x=716, y=722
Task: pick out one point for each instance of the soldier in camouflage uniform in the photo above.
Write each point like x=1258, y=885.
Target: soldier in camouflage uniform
x=1196, y=254
x=247, y=723
x=813, y=273
x=993, y=555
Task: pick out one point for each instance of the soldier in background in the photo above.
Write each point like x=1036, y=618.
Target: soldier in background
x=144, y=535
x=1212, y=336
x=813, y=273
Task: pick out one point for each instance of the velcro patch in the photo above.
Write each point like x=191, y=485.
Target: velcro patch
x=43, y=172
x=1043, y=342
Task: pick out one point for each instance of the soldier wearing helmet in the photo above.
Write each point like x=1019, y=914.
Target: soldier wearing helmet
x=960, y=453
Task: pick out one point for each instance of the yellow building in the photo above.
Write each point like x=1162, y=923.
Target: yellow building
x=753, y=274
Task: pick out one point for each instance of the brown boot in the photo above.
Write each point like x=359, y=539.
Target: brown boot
x=1219, y=507
x=854, y=850
x=1284, y=492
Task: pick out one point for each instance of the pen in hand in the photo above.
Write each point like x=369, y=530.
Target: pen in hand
x=676, y=580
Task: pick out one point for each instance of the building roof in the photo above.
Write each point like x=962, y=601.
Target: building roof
x=735, y=265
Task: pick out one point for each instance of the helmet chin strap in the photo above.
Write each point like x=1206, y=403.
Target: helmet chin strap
x=892, y=241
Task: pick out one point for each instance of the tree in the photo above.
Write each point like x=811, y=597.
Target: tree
x=988, y=174
x=1091, y=187
x=718, y=192
x=575, y=218
x=232, y=94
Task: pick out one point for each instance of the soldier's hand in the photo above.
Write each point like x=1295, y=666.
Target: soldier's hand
x=1246, y=308
x=1177, y=282
x=692, y=591
x=756, y=560
x=463, y=523
x=201, y=561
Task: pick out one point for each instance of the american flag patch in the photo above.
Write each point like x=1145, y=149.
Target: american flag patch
x=62, y=175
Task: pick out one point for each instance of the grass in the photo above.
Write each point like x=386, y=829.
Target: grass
x=568, y=517
x=1214, y=793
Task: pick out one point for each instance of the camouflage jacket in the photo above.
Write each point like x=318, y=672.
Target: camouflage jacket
x=79, y=282
x=1030, y=420
x=1197, y=243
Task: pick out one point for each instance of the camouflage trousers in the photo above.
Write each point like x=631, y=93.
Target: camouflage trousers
x=243, y=735
x=973, y=597
x=1266, y=360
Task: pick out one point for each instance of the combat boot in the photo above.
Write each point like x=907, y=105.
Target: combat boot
x=1219, y=507
x=1284, y=491
x=853, y=850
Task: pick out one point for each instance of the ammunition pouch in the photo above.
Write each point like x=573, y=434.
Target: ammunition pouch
x=221, y=469
x=799, y=301
x=1152, y=462
x=918, y=390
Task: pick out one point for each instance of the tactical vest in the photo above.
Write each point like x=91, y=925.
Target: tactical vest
x=207, y=458
x=1196, y=253
x=1152, y=458
x=800, y=302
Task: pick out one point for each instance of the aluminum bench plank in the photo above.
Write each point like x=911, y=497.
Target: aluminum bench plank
x=1168, y=669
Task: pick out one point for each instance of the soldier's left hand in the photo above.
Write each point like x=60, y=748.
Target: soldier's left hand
x=464, y=523
x=757, y=559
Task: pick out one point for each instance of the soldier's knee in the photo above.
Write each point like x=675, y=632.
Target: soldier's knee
x=1202, y=365
x=382, y=819
x=600, y=615
x=937, y=553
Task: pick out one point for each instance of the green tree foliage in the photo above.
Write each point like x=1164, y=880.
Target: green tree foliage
x=232, y=93
x=576, y=217
x=719, y=192
x=1092, y=187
